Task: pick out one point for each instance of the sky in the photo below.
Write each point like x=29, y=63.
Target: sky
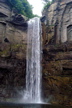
x=37, y=6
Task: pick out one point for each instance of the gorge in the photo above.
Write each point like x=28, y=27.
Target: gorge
x=56, y=53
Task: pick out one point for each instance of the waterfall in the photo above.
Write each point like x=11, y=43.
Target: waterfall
x=33, y=68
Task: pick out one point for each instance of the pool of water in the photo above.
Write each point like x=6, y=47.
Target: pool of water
x=21, y=105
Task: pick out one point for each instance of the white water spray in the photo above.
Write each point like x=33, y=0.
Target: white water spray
x=33, y=69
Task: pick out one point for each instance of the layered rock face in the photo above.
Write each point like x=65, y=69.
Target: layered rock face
x=57, y=73
x=59, y=19
x=13, y=27
x=57, y=52
x=13, y=42
x=12, y=70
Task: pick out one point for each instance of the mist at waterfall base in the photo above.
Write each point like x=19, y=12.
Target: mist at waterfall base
x=32, y=94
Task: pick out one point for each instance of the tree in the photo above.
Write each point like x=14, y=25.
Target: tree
x=47, y=3
x=23, y=7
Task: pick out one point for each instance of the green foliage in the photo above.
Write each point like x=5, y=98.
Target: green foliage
x=23, y=7
x=47, y=3
x=36, y=16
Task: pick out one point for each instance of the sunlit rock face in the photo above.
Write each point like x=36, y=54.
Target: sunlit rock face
x=5, y=10
x=59, y=15
x=67, y=24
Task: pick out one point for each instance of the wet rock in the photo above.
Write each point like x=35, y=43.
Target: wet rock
x=59, y=88
x=57, y=73
x=12, y=68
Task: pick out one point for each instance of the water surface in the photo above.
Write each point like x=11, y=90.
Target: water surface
x=18, y=105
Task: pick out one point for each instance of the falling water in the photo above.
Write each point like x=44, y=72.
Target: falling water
x=33, y=69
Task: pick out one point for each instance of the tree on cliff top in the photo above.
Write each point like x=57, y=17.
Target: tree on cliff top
x=23, y=7
x=47, y=3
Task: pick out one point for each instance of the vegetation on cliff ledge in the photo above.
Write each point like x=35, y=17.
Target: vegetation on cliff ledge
x=47, y=3
x=23, y=7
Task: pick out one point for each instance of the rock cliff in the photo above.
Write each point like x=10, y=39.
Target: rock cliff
x=57, y=73
x=59, y=19
x=13, y=40
x=13, y=27
x=57, y=52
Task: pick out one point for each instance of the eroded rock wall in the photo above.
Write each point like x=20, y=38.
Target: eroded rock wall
x=57, y=52
x=57, y=73
x=13, y=27
x=59, y=15
x=12, y=70
x=13, y=43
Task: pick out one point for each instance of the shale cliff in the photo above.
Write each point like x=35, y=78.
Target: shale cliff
x=57, y=52
x=58, y=18
x=13, y=42
x=12, y=25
